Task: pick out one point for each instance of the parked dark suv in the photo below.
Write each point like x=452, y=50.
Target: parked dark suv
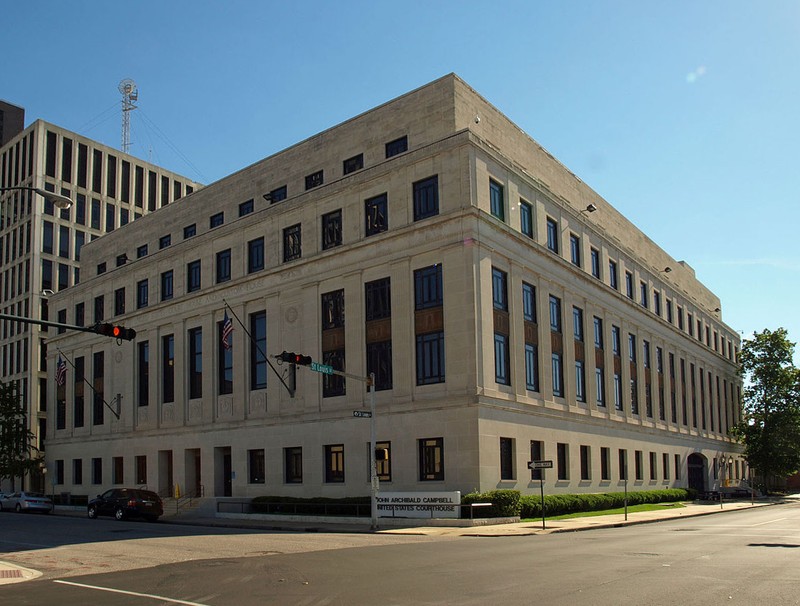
x=127, y=502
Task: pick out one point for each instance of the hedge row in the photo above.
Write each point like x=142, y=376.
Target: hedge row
x=507, y=503
x=559, y=504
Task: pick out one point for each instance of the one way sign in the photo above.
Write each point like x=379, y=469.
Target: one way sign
x=540, y=464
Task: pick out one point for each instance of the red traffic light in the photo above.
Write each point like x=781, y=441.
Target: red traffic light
x=294, y=358
x=114, y=331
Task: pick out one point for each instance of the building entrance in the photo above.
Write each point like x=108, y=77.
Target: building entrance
x=696, y=465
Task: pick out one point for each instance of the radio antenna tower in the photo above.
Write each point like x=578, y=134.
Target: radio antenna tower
x=130, y=94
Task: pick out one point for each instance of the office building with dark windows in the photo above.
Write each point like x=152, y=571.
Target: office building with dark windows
x=41, y=246
x=508, y=312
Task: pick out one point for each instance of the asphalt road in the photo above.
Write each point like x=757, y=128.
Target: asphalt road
x=744, y=557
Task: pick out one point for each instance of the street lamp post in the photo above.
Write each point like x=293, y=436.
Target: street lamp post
x=59, y=201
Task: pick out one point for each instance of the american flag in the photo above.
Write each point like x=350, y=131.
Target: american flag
x=61, y=371
x=227, y=331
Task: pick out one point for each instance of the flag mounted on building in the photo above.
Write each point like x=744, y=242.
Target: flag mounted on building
x=227, y=332
x=61, y=371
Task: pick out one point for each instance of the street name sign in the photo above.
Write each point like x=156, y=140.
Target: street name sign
x=323, y=368
x=362, y=413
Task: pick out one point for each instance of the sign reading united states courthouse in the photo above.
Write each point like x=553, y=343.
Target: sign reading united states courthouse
x=419, y=504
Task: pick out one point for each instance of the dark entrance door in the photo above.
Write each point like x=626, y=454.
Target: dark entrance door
x=226, y=472
x=697, y=475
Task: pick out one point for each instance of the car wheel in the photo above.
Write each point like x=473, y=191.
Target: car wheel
x=92, y=512
x=18, y=508
x=119, y=513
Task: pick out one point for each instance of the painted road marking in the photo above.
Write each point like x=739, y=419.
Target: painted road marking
x=133, y=593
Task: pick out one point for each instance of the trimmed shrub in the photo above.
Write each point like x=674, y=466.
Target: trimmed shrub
x=505, y=503
x=560, y=504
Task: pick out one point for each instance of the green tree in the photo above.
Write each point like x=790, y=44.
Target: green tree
x=18, y=455
x=770, y=427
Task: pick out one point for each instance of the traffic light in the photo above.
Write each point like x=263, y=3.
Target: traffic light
x=295, y=358
x=114, y=331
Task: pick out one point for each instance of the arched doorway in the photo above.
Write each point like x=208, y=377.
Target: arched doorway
x=696, y=465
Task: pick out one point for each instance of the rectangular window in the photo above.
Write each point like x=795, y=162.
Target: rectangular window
x=168, y=368
x=431, y=459
x=118, y=470
x=552, y=235
x=141, y=251
x=334, y=463
x=77, y=471
x=332, y=229
x=166, y=285
x=314, y=180
x=224, y=360
x=496, y=200
x=78, y=408
x=558, y=375
x=377, y=299
x=143, y=373
x=98, y=374
x=97, y=471
x=292, y=245
x=677, y=467
x=643, y=294
x=193, y=280
x=575, y=249
x=499, y=289
x=277, y=194
x=247, y=207
x=353, y=164
x=141, y=470
x=580, y=381
x=531, y=367
x=555, y=314
x=255, y=255
x=506, y=458
x=376, y=215
x=632, y=347
x=223, y=265
x=669, y=311
x=665, y=465
x=612, y=275
x=637, y=464
x=562, y=461
x=398, y=146
x=657, y=303
x=617, y=391
x=600, y=386
x=216, y=220
x=526, y=218
x=598, y=332
x=256, y=466
x=596, y=263
x=653, y=466
x=623, y=464
x=190, y=231
x=629, y=284
x=502, y=372
x=586, y=463
x=528, y=302
x=164, y=241
x=110, y=217
x=293, y=465
x=577, y=323
x=428, y=287
x=95, y=213
x=258, y=349
x=195, y=363
x=605, y=463
x=142, y=293
x=63, y=241
x=426, y=198
x=383, y=461
x=615, y=337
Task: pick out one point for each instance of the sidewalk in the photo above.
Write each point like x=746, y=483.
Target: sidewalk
x=9, y=573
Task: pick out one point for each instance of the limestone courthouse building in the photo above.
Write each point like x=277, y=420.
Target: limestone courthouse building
x=509, y=313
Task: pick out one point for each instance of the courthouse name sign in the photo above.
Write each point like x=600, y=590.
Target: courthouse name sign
x=419, y=504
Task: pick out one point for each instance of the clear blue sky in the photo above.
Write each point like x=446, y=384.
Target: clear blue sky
x=684, y=115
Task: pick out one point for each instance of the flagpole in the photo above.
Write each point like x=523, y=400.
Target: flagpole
x=85, y=380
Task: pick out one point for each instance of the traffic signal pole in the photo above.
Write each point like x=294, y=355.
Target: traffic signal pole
x=99, y=328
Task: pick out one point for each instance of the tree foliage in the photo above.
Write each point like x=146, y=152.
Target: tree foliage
x=18, y=455
x=770, y=427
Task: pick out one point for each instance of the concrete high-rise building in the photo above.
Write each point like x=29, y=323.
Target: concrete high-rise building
x=508, y=312
x=40, y=246
x=12, y=121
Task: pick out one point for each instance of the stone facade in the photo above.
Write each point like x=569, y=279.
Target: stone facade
x=425, y=219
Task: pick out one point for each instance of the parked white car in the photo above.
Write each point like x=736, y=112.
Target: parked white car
x=26, y=501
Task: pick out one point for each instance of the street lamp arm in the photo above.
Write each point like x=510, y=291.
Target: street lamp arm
x=59, y=201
